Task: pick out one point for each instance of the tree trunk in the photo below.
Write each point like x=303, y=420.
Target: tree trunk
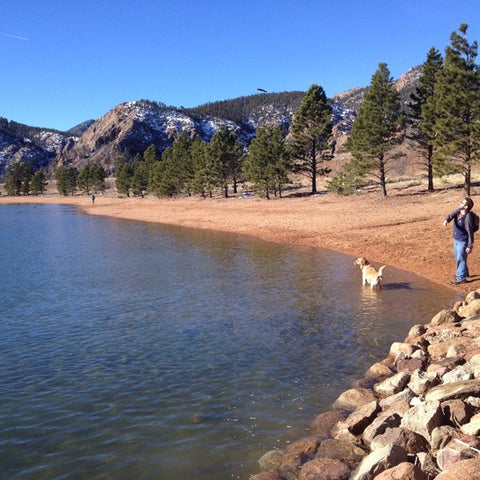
x=468, y=179
x=383, y=179
x=430, y=168
x=314, y=170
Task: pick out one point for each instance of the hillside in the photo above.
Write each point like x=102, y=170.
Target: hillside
x=131, y=127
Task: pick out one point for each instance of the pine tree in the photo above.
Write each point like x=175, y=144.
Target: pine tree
x=66, y=178
x=422, y=111
x=227, y=152
x=123, y=176
x=265, y=164
x=206, y=171
x=312, y=130
x=39, y=183
x=458, y=108
x=376, y=129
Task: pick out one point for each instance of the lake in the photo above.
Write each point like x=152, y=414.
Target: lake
x=131, y=350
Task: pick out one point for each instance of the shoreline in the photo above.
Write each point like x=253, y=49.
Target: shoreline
x=415, y=414
x=403, y=230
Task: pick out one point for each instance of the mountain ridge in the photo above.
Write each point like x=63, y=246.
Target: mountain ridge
x=131, y=127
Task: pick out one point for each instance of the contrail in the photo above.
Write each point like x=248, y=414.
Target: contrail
x=13, y=36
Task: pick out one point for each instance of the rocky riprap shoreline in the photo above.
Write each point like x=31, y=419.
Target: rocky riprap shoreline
x=413, y=416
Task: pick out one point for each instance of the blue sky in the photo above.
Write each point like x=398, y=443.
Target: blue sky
x=65, y=61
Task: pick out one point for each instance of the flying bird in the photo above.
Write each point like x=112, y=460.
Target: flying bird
x=262, y=90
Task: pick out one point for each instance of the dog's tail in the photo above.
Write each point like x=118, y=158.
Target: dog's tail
x=380, y=273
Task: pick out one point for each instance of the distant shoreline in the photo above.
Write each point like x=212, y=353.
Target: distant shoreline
x=403, y=230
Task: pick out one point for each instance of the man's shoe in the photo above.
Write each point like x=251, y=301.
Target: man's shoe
x=457, y=282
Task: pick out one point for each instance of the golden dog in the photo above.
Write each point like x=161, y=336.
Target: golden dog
x=370, y=276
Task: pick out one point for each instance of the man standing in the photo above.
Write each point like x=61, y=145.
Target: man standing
x=462, y=238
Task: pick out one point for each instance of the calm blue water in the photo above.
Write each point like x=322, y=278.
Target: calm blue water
x=137, y=351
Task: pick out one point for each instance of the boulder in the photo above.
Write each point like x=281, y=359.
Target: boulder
x=378, y=370
x=441, y=437
x=438, y=350
x=454, y=390
x=457, y=412
x=459, y=374
x=445, y=316
x=411, y=442
x=420, y=382
x=380, y=425
x=427, y=464
x=398, y=347
x=271, y=460
x=324, y=469
x=423, y=418
x=378, y=461
x=400, y=401
x=443, y=365
x=347, y=452
x=403, y=471
x=415, y=332
x=392, y=385
x=454, y=453
x=323, y=423
x=353, y=398
x=472, y=427
x=470, y=309
x=411, y=364
x=363, y=416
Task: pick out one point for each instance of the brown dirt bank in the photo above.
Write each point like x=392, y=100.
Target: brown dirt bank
x=403, y=230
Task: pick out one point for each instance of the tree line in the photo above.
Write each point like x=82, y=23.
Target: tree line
x=441, y=119
x=193, y=166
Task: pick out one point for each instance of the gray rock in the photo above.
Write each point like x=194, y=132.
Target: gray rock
x=378, y=461
x=380, y=425
x=454, y=390
x=363, y=416
x=459, y=374
x=411, y=442
x=423, y=418
x=392, y=385
x=441, y=437
x=420, y=382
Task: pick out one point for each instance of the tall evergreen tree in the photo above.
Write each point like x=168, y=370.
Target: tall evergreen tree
x=139, y=181
x=311, y=129
x=376, y=129
x=458, y=108
x=66, y=178
x=39, y=183
x=123, y=176
x=206, y=177
x=84, y=180
x=18, y=178
x=227, y=153
x=422, y=115
x=265, y=164
x=98, y=177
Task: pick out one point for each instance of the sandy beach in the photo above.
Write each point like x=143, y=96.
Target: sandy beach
x=403, y=230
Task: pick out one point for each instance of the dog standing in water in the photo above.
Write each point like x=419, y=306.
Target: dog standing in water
x=370, y=276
